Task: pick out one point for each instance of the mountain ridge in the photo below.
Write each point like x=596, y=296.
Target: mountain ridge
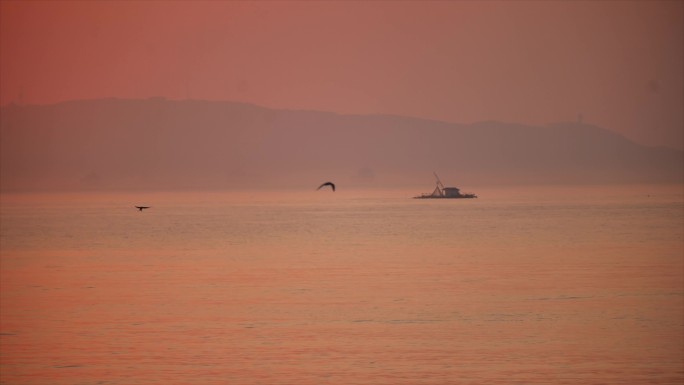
x=159, y=143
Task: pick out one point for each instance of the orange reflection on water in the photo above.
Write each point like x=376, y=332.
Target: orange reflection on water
x=352, y=291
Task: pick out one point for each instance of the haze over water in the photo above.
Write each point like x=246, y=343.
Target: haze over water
x=246, y=285
x=579, y=285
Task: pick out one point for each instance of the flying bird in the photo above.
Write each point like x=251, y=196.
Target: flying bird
x=331, y=184
x=141, y=208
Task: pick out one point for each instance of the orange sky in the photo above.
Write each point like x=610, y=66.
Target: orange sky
x=617, y=63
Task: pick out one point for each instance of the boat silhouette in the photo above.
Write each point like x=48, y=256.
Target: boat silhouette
x=441, y=192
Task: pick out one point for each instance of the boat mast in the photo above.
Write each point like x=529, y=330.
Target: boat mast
x=440, y=187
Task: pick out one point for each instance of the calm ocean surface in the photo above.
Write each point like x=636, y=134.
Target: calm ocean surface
x=520, y=286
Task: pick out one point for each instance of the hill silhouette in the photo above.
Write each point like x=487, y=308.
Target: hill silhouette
x=164, y=144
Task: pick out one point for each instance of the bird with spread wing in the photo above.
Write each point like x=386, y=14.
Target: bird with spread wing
x=331, y=184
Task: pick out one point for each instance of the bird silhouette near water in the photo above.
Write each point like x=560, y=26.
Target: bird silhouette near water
x=331, y=184
x=141, y=208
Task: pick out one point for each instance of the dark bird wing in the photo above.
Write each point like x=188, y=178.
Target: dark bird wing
x=331, y=184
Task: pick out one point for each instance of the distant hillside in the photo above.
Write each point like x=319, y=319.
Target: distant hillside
x=164, y=144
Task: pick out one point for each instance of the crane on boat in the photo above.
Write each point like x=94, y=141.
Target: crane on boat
x=439, y=189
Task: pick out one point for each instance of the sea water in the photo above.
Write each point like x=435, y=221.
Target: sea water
x=581, y=285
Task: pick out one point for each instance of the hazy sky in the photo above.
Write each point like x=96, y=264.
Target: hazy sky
x=618, y=63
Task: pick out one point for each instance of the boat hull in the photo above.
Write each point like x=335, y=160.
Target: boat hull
x=466, y=196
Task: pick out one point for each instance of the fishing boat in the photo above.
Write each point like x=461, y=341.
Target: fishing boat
x=441, y=192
